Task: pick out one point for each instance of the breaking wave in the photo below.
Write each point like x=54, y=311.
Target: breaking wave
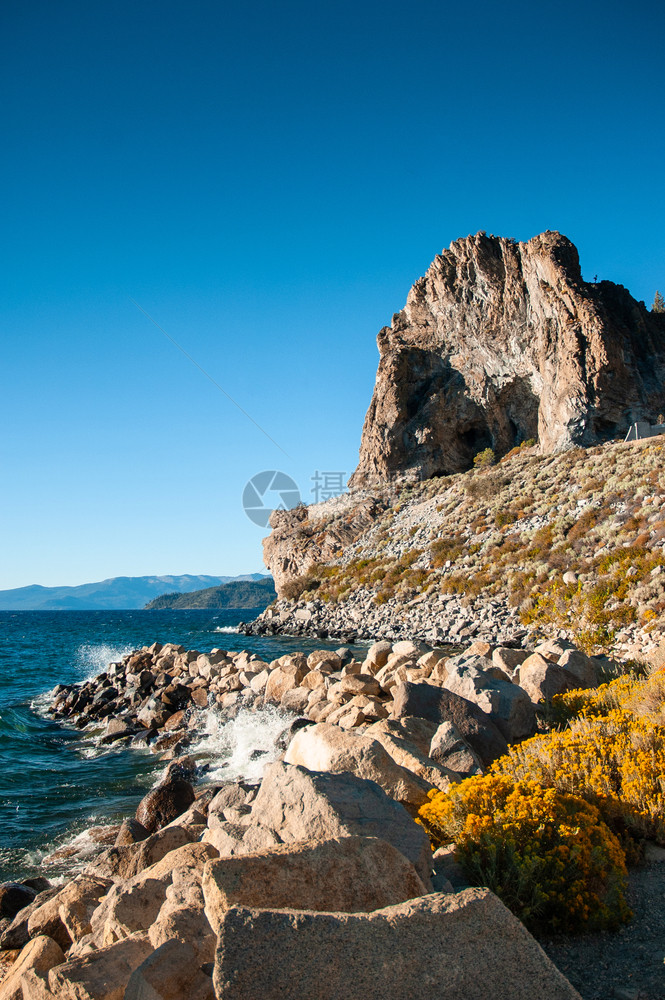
x=240, y=747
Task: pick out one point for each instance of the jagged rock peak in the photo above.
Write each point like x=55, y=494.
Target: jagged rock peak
x=503, y=341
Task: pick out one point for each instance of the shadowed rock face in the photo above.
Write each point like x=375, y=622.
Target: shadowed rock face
x=501, y=342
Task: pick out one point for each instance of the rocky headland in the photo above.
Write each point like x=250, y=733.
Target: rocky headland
x=501, y=342
x=494, y=496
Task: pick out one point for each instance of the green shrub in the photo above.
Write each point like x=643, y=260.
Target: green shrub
x=484, y=459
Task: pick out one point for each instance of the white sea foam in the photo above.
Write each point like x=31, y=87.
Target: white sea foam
x=227, y=629
x=240, y=747
x=94, y=658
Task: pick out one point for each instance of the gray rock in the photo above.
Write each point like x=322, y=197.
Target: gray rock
x=294, y=804
x=509, y=706
x=439, y=705
x=449, y=748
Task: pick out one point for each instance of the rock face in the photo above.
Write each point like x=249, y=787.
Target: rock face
x=294, y=545
x=344, y=874
x=294, y=805
x=500, y=342
x=465, y=945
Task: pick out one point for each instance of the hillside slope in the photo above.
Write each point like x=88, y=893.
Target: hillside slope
x=570, y=542
x=239, y=594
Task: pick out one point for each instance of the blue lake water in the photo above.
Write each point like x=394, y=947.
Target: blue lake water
x=53, y=784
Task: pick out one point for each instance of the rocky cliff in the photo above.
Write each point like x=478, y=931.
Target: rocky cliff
x=501, y=342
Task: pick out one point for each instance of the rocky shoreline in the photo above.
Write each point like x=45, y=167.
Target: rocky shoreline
x=437, y=619
x=187, y=897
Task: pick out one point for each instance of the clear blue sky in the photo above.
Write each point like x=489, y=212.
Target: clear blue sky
x=267, y=180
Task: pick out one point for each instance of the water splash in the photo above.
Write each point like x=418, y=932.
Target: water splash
x=93, y=659
x=240, y=747
x=227, y=629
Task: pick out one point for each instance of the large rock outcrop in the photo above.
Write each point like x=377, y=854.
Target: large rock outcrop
x=500, y=342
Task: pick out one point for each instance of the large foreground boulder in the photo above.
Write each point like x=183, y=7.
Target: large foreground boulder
x=346, y=874
x=440, y=705
x=326, y=747
x=294, y=804
x=464, y=946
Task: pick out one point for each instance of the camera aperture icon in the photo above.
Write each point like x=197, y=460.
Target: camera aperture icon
x=268, y=491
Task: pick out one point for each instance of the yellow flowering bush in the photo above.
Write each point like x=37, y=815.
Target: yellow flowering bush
x=616, y=761
x=592, y=702
x=547, y=855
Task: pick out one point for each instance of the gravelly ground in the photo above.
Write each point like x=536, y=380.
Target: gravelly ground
x=627, y=964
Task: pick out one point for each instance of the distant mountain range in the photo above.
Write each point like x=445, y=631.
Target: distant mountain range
x=120, y=593
x=238, y=594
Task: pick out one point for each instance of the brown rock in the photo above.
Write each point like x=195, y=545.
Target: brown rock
x=136, y=904
x=183, y=916
x=13, y=897
x=171, y=972
x=584, y=668
x=542, y=679
x=130, y=832
x=164, y=804
x=314, y=679
x=451, y=750
x=124, y=862
x=102, y=974
x=175, y=721
x=348, y=874
x=359, y=684
x=464, y=946
x=78, y=900
x=38, y=957
x=280, y=681
x=504, y=341
x=16, y=934
x=508, y=659
x=553, y=649
x=46, y=921
x=331, y=660
x=378, y=653
x=509, y=707
x=200, y=697
x=395, y=740
x=295, y=700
